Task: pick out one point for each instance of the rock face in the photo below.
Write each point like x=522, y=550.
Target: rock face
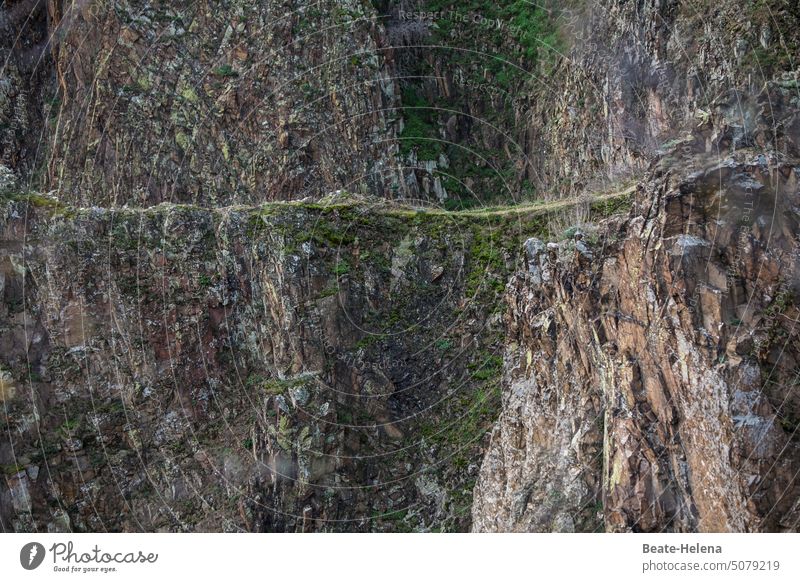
x=326, y=366
x=224, y=308
x=652, y=387
x=649, y=384
x=638, y=73
x=218, y=103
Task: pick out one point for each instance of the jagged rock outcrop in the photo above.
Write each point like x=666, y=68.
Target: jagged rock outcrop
x=649, y=381
x=650, y=384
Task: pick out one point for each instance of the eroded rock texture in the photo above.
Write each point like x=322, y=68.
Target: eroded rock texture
x=218, y=103
x=216, y=315
x=304, y=367
x=652, y=386
x=638, y=72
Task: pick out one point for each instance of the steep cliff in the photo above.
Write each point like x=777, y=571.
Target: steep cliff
x=259, y=368
x=250, y=280
x=652, y=386
x=319, y=366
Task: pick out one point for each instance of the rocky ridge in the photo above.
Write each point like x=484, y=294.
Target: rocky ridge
x=179, y=353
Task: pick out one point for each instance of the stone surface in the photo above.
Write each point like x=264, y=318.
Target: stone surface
x=216, y=316
x=651, y=388
x=272, y=368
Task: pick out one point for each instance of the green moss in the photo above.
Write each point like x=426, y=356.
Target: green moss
x=419, y=130
x=182, y=140
x=487, y=270
x=225, y=71
x=612, y=205
x=369, y=340
x=395, y=519
x=488, y=368
x=40, y=201
x=472, y=415
x=395, y=515
x=189, y=94
x=327, y=233
x=443, y=345
x=341, y=268
x=69, y=427
x=328, y=292
x=34, y=199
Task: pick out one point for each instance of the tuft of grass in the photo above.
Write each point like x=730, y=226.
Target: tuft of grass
x=341, y=268
x=225, y=71
x=443, y=345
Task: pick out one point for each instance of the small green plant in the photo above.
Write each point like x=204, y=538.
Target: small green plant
x=204, y=280
x=443, y=345
x=487, y=369
x=68, y=428
x=225, y=71
x=341, y=268
x=275, y=387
